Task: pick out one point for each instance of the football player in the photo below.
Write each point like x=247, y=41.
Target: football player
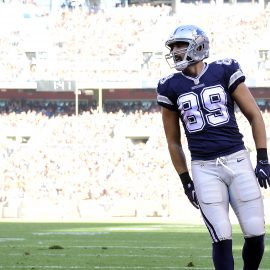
x=203, y=97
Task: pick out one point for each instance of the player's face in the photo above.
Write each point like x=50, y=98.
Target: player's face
x=179, y=51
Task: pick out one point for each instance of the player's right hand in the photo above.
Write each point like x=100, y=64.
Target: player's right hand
x=189, y=189
x=191, y=194
x=262, y=172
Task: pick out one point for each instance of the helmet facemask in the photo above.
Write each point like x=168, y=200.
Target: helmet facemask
x=179, y=58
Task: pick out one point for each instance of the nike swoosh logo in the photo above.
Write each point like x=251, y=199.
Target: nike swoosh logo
x=263, y=172
x=240, y=159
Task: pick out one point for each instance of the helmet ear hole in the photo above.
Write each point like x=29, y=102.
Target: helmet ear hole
x=200, y=48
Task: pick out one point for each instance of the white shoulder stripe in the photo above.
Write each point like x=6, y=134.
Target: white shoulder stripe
x=164, y=99
x=235, y=76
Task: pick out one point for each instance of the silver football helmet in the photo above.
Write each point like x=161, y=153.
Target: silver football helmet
x=197, y=47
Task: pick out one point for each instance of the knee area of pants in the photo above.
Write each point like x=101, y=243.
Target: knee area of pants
x=254, y=227
x=224, y=231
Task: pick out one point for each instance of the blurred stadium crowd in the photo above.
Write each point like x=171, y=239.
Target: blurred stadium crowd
x=92, y=165
x=112, y=44
x=114, y=163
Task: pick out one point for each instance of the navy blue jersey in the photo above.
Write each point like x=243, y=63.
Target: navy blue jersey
x=206, y=108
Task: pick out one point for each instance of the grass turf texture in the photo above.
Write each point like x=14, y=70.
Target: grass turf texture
x=111, y=246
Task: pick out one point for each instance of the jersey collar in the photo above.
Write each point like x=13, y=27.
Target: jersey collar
x=196, y=79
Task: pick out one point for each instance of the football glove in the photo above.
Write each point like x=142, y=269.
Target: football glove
x=189, y=189
x=262, y=172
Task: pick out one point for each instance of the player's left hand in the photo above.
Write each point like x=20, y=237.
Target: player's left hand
x=262, y=172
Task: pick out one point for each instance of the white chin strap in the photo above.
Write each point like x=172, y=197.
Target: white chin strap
x=179, y=66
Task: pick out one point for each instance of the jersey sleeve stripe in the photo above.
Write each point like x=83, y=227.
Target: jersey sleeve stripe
x=238, y=74
x=163, y=99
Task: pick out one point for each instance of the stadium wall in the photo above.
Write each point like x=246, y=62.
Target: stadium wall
x=107, y=94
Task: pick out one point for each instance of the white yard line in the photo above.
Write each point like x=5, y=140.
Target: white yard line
x=99, y=267
x=104, y=267
x=106, y=246
x=125, y=255
x=114, y=255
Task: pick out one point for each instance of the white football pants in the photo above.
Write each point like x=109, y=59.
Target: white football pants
x=229, y=180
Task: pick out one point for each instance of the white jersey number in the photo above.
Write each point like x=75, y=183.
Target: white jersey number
x=213, y=100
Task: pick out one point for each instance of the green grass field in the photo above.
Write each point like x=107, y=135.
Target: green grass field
x=110, y=246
